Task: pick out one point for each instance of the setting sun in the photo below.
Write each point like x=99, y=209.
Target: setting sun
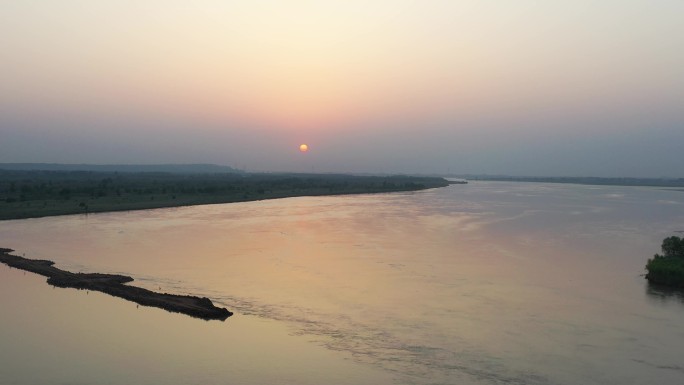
x=303, y=148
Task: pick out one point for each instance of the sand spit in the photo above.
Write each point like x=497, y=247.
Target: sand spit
x=115, y=285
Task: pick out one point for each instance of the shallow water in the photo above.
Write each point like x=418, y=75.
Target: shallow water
x=485, y=283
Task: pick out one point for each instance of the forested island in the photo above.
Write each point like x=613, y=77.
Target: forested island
x=40, y=193
x=668, y=268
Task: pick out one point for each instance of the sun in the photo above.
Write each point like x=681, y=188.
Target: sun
x=303, y=148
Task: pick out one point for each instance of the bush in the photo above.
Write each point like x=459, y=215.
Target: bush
x=667, y=269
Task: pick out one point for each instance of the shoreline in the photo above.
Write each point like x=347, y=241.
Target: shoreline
x=168, y=205
x=116, y=286
x=36, y=194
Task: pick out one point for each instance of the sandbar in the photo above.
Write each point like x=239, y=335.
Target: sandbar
x=116, y=285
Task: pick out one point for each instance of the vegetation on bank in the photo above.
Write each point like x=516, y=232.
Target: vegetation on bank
x=31, y=194
x=598, y=181
x=668, y=268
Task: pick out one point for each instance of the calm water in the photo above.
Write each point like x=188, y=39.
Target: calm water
x=485, y=283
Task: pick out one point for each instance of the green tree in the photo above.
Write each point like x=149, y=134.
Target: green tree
x=673, y=247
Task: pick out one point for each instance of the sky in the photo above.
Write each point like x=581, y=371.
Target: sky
x=525, y=87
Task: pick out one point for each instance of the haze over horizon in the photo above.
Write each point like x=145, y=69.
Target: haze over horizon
x=581, y=88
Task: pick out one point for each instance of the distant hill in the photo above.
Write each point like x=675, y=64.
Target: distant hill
x=169, y=168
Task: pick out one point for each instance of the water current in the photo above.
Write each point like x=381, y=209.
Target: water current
x=485, y=283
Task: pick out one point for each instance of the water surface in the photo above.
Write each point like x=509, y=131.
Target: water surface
x=485, y=283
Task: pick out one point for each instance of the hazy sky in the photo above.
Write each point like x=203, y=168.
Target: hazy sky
x=525, y=87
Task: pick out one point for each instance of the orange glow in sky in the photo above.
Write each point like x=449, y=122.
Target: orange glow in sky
x=385, y=85
x=304, y=148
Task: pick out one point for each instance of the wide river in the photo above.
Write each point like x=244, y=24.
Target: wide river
x=485, y=283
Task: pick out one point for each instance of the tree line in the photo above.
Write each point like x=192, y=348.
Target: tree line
x=26, y=194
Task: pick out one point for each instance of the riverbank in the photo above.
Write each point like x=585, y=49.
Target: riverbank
x=590, y=181
x=34, y=194
x=115, y=285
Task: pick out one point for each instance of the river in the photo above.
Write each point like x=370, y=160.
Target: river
x=484, y=283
